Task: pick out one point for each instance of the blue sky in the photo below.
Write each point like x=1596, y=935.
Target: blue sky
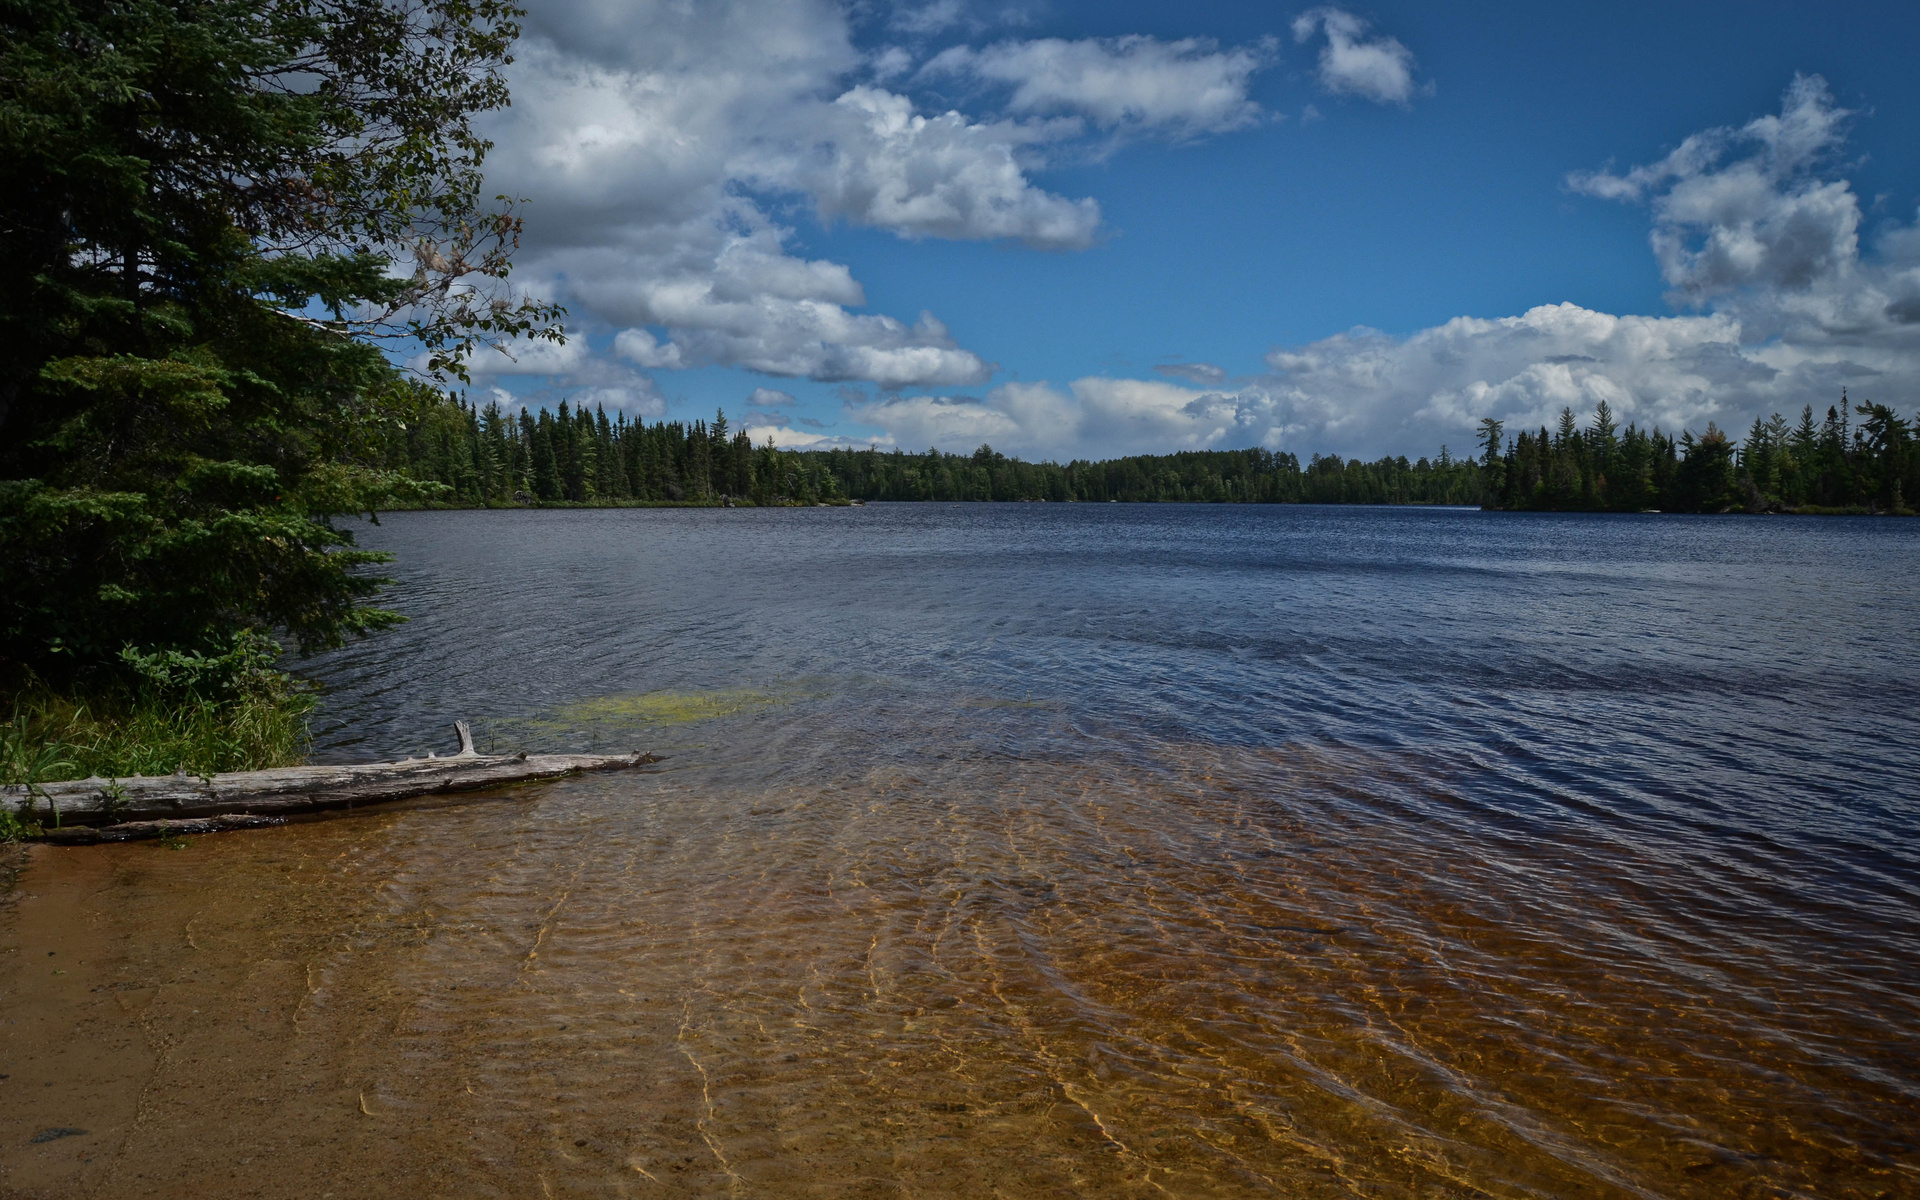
x=1142, y=228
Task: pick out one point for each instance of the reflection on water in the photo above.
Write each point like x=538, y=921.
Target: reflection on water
x=1160, y=851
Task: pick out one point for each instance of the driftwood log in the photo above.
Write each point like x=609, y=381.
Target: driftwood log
x=95, y=810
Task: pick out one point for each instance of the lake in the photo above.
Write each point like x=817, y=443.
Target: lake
x=1026, y=850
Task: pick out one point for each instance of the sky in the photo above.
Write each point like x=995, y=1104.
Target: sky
x=1075, y=230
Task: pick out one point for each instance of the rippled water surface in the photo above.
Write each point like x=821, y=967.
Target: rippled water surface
x=1133, y=850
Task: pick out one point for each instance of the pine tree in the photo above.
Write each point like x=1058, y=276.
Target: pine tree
x=546, y=467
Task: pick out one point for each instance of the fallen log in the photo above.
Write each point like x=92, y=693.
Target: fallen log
x=98, y=805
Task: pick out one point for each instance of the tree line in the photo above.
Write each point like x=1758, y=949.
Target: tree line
x=1833, y=465
x=487, y=456
x=482, y=457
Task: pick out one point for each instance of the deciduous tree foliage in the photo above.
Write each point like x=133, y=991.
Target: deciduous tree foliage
x=212, y=212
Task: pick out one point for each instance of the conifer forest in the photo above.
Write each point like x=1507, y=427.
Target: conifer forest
x=1859, y=458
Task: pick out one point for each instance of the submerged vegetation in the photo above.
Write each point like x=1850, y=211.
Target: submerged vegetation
x=615, y=722
x=483, y=457
x=667, y=708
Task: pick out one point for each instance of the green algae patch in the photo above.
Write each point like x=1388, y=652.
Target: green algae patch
x=625, y=721
x=666, y=708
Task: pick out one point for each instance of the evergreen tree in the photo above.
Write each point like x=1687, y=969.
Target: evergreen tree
x=198, y=202
x=1491, y=462
x=546, y=467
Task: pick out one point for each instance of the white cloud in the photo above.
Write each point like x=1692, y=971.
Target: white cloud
x=787, y=438
x=1380, y=70
x=525, y=358
x=932, y=17
x=612, y=386
x=1767, y=244
x=1185, y=88
x=890, y=62
x=1096, y=417
x=763, y=397
x=755, y=310
x=1751, y=222
x=656, y=139
x=1365, y=392
x=568, y=371
x=942, y=176
x=1764, y=220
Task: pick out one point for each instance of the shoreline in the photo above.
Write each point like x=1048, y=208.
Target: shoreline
x=1804, y=510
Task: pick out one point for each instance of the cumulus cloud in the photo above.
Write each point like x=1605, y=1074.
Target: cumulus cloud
x=944, y=176
x=1751, y=222
x=765, y=397
x=1365, y=392
x=1748, y=230
x=1183, y=88
x=1380, y=69
x=661, y=140
x=1763, y=220
x=587, y=383
x=803, y=336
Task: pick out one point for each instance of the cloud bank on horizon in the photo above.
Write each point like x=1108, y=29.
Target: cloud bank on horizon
x=671, y=150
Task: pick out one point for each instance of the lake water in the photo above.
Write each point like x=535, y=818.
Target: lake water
x=1114, y=850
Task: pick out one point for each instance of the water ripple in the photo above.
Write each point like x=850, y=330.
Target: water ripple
x=1163, y=849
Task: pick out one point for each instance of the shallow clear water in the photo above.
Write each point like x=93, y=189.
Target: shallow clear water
x=1121, y=850
x=1276, y=847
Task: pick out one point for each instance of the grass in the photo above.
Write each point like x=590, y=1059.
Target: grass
x=48, y=736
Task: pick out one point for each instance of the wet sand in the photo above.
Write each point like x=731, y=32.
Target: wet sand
x=160, y=1000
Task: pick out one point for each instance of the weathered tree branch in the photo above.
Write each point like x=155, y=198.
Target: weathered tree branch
x=110, y=809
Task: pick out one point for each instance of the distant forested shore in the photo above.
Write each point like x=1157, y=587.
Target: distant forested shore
x=471, y=457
